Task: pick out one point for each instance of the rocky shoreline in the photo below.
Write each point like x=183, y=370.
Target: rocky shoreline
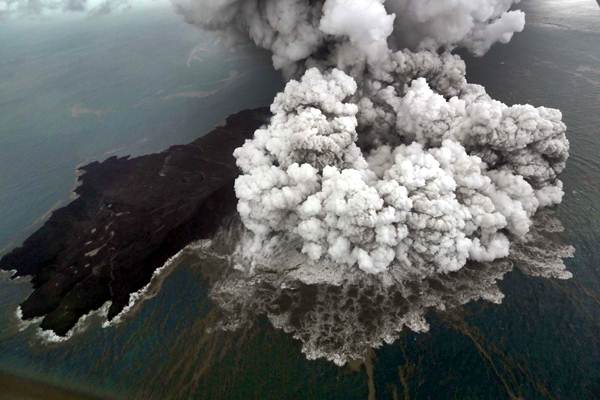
x=131, y=215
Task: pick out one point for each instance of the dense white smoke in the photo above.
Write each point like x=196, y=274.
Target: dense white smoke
x=295, y=30
x=473, y=24
x=428, y=205
x=385, y=185
x=382, y=157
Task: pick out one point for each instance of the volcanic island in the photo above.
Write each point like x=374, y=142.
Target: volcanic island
x=129, y=217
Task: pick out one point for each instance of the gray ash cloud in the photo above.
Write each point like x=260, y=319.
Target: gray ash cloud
x=381, y=157
x=385, y=184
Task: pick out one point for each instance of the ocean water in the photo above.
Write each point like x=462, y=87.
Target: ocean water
x=78, y=90
x=542, y=342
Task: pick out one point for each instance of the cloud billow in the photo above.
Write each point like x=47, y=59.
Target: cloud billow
x=384, y=158
x=385, y=185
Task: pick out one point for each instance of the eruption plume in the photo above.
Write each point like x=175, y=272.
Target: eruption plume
x=385, y=185
x=380, y=156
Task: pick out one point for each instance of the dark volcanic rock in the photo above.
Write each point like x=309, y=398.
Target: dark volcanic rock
x=130, y=217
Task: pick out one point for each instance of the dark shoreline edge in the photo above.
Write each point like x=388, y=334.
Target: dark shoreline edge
x=131, y=216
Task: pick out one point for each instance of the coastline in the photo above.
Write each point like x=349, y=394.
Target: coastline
x=106, y=245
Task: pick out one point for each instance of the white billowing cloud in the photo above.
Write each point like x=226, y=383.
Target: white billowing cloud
x=298, y=30
x=288, y=28
x=528, y=141
x=474, y=24
x=383, y=174
x=427, y=205
x=382, y=159
x=366, y=23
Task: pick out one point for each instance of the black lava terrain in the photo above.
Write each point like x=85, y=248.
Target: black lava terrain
x=131, y=215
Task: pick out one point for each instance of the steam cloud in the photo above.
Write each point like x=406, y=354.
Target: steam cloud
x=380, y=156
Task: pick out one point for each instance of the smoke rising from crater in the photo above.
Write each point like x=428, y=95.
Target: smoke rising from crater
x=380, y=156
x=297, y=30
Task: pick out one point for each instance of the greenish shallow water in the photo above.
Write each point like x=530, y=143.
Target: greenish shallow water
x=542, y=342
